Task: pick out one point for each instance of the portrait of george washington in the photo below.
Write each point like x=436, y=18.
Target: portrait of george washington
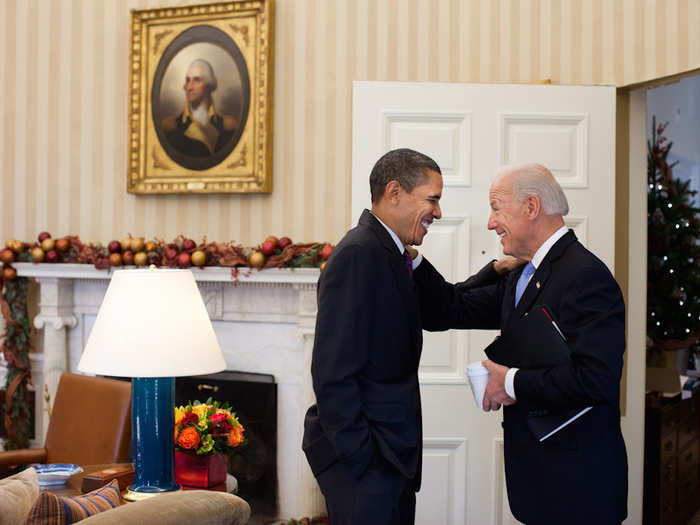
x=200, y=97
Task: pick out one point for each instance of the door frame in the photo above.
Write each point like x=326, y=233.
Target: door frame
x=631, y=267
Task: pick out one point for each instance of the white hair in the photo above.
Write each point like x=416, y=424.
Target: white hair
x=207, y=73
x=535, y=179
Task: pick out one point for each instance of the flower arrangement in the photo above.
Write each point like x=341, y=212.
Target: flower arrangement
x=207, y=428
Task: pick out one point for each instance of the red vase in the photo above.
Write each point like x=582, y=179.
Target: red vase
x=203, y=472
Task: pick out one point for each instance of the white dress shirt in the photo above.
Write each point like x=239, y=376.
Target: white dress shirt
x=536, y=261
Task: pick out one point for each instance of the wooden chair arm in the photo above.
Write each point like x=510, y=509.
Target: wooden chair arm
x=22, y=456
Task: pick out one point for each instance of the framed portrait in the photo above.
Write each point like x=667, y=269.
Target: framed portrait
x=200, y=117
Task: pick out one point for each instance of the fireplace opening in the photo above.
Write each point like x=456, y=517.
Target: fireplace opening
x=254, y=399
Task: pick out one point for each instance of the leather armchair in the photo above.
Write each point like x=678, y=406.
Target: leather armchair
x=90, y=424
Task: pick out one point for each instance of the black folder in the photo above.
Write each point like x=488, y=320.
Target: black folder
x=535, y=341
x=532, y=341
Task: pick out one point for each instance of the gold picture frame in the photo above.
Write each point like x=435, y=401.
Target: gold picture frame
x=200, y=118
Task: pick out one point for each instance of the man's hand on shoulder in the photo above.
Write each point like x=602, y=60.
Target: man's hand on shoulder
x=507, y=264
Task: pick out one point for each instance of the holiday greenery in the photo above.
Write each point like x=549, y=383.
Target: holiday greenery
x=179, y=253
x=673, y=266
x=17, y=416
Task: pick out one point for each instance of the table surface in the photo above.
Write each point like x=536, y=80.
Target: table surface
x=72, y=486
x=74, y=483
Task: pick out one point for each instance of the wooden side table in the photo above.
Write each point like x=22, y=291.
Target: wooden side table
x=73, y=486
x=671, y=461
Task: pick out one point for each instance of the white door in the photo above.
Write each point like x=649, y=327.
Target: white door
x=470, y=130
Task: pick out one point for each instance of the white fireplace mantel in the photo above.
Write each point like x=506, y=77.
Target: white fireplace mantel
x=264, y=321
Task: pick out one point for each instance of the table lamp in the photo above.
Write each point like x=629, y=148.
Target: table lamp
x=152, y=326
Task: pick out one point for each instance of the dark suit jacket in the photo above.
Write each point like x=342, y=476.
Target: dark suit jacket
x=365, y=359
x=578, y=475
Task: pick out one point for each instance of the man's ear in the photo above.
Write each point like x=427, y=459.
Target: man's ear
x=392, y=190
x=533, y=206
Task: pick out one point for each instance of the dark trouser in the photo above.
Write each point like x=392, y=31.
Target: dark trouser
x=382, y=496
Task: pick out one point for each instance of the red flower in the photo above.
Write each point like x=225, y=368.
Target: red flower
x=221, y=427
x=217, y=418
x=190, y=418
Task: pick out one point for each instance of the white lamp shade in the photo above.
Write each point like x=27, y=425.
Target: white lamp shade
x=152, y=323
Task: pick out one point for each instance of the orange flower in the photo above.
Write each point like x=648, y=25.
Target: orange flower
x=189, y=438
x=176, y=433
x=235, y=436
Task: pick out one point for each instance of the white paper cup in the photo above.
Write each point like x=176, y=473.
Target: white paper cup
x=478, y=376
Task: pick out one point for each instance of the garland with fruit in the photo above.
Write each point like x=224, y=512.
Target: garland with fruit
x=130, y=251
x=180, y=253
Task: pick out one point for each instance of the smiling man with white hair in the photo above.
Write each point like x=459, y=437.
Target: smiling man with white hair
x=579, y=474
x=199, y=131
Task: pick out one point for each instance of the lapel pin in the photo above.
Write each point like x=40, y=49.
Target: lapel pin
x=537, y=284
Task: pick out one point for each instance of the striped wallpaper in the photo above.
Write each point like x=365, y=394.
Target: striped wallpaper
x=64, y=67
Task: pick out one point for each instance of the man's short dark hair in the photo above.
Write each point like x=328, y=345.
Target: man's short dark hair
x=410, y=168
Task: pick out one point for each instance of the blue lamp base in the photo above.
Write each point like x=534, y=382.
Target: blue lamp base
x=152, y=420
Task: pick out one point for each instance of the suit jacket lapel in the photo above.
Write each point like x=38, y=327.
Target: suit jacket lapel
x=399, y=270
x=509, y=296
x=536, y=284
x=538, y=279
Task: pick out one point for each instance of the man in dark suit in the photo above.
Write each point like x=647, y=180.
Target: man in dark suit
x=363, y=437
x=579, y=474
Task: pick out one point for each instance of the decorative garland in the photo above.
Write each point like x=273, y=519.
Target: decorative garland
x=180, y=253
x=17, y=415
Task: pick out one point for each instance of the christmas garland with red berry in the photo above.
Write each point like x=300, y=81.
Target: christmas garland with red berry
x=130, y=251
x=180, y=253
x=16, y=411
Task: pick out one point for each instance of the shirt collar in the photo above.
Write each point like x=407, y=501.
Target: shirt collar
x=395, y=237
x=547, y=245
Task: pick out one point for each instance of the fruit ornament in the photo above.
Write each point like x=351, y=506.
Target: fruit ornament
x=114, y=247
x=188, y=245
x=184, y=260
x=140, y=258
x=326, y=251
x=37, y=254
x=63, y=244
x=128, y=257
x=199, y=258
x=9, y=273
x=257, y=259
x=7, y=256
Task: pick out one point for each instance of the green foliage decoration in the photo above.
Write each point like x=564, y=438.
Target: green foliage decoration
x=17, y=413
